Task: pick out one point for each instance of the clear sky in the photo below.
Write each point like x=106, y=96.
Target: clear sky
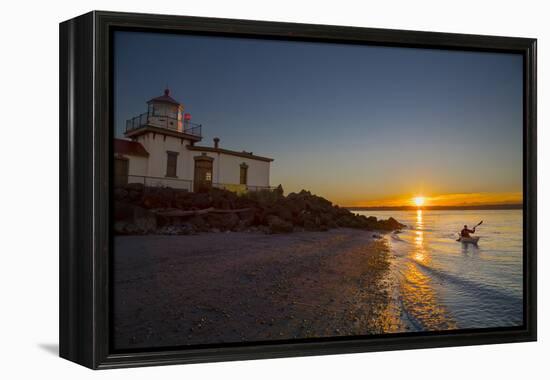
x=359, y=125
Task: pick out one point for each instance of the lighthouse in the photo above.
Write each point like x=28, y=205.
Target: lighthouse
x=160, y=149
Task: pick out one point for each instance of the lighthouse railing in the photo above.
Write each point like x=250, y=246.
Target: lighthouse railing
x=149, y=119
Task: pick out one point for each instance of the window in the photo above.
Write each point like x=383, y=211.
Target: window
x=208, y=176
x=156, y=110
x=244, y=174
x=171, y=164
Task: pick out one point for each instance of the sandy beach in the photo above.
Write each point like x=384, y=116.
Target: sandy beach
x=232, y=287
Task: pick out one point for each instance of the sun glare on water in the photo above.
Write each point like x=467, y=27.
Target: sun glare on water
x=419, y=201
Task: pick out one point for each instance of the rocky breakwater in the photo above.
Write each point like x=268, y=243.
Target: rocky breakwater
x=162, y=210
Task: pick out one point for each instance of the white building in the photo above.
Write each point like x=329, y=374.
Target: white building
x=160, y=150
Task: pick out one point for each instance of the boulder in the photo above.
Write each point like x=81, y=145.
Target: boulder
x=278, y=226
x=390, y=224
x=215, y=221
x=130, y=219
x=198, y=223
x=201, y=201
x=280, y=210
x=135, y=187
x=134, y=196
x=120, y=194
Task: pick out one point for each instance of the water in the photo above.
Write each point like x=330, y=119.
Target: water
x=441, y=284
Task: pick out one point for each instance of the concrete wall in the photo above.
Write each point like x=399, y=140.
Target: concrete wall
x=158, y=146
x=137, y=165
x=226, y=168
x=138, y=173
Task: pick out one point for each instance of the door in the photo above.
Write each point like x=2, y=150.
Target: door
x=121, y=171
x=203, y=173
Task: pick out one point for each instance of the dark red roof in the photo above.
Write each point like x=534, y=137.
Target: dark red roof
x=130, y=148
x=166, y=98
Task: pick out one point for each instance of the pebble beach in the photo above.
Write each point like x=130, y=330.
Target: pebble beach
x=232, y=287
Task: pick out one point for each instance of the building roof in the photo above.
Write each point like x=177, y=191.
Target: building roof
x=130, y=148
x=166, y=98
x=230, y=152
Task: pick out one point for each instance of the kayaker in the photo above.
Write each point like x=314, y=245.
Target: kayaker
x=465, y=233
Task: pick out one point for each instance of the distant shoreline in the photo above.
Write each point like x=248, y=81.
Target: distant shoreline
x=465, y=207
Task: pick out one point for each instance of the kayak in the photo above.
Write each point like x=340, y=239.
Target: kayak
x=470, y=240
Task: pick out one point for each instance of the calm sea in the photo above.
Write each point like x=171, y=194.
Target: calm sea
x=444, y=284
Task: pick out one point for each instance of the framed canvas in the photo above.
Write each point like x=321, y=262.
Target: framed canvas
x=236, y=189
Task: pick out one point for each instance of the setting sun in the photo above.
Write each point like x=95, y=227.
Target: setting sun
x=419, y=201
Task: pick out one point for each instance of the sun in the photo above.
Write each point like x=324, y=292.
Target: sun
x=419, y=201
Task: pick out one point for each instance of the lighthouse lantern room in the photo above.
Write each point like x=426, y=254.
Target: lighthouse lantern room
x=166, y=112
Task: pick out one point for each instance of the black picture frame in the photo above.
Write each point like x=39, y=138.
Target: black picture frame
x=85, y=185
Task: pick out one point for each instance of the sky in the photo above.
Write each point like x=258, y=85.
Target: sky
x=359, y=125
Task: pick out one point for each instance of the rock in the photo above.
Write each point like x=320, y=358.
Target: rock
x=390, y=224
x=270, y=211
x=222, y=222
x=152, y=201
x=279, y=190
x=134, y=196
x=278, y=225
x=133, y=219
x=198, y=223
x=144, y=221
x=167, y=230
x=175, y=230
x=124, y=228
x=120, y=194
x=120, y=227
x=310, y=223
x=135, y=186
x=281, y=211
x=201, y=200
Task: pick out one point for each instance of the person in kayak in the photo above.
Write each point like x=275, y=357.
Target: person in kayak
x=465, y=233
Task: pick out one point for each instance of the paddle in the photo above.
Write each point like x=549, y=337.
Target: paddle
x=479, y=224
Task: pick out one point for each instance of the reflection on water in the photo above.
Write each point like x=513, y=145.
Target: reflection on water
x=469, y=249
x=417, y=292
x=419, y=251
x=443, y=284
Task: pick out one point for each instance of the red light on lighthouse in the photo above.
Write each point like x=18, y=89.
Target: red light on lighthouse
x=187, y=116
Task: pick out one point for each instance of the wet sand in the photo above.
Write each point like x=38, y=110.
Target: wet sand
x=234, y=287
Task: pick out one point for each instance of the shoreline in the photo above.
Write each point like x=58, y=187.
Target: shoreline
x=496, y=207
x=232, y=287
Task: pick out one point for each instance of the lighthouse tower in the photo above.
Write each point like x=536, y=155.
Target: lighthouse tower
x=166, y=112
